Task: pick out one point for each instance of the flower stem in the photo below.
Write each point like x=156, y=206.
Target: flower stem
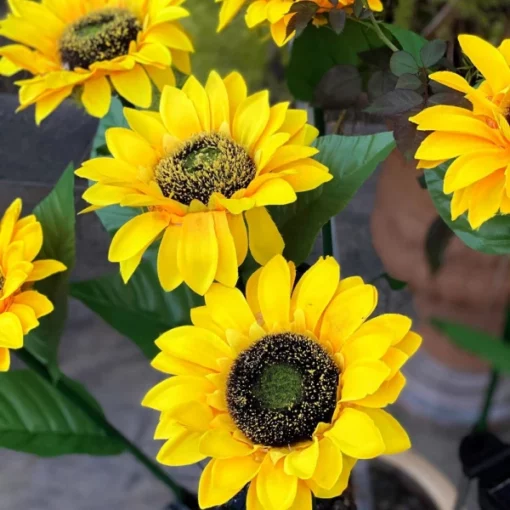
x=377, y=28
x=327, y=232
x=97, y=417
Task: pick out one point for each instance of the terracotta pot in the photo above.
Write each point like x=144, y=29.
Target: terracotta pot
x=471, y=287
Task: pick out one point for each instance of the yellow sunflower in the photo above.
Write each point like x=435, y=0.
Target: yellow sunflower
x=20, y=307
x=212, y=158
x=92, y=47
x=283, y=389
x=478, y=139
x=276, y=13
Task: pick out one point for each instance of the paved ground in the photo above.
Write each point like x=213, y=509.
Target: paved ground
x=115, y=371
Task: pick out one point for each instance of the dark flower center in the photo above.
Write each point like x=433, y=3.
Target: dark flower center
x=2, y=281
x=205, y=164
x=281, y=388
x=101, y=35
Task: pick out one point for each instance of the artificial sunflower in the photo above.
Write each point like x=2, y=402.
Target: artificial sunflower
x=91, y=47
x=20, y=306
x=278, y=14
x=283, y=389
x=478, y=139
x=212, y=158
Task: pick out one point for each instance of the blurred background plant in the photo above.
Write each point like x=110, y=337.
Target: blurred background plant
x=445, y=19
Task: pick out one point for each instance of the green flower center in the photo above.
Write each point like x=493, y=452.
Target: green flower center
x=101, y=35
x=207, y=163
x=281, y=388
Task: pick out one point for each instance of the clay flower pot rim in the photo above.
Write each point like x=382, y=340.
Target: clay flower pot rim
x=440, y=490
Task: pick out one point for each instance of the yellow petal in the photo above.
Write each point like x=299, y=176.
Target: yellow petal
x=134, y=86
x=174, y=391
x=197, y=94
x=362, y=378
x=38, y=302
x=26, y=316
x=220, y=444
x=393, y=434
x=393, y=325
x=11, y=332
x=195, y=345
x=5, y=359
x=168, y=273
x=410, y=343
x=218, y=99
x=237, y=91
x=171, y=365
x=460, y=202
x=238, y=230
x=256, y=13
x=395, y=359
x=340, y=484
x=329, y=464
x=275, y=192
x=170, y=35
x=347, y=312
x=276, y=490
x=161, y=77
x=229, y=308
x=316, y=289
x=229, y=8
x=8, y=223
x=303, y=500
x=264, y=238
x=181, y=449
x=302, y=462
x=179, y=114
x=227, y=272
x=32, y=238
x=251, y=118
x=366, y=347
x=49, y=103
x=471, y=168
x=130, y=147
x=450, y=145
x=201, y=317
x=44, y=268
x=487, y=59
x=356, y=434
x=147, y=126
x=135, y=234
x=222, y=479
x=274, y=288
x=97, y=96
x=197, y=255
x=387, y=394
x=486, y=197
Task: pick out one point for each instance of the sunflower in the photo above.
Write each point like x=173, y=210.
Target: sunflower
x=91, y=47
x=277, y=14
x=283, y=389
x=478, y=139
x=20, y=306
x=210, y=159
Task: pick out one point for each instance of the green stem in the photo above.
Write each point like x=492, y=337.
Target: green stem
x=68, y=392
x=377, y=28
x=482, y=422
x=327, y=231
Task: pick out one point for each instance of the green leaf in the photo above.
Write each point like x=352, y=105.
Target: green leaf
x=351, y=160
x=36, y=418
x=317, y=50
x=492, y=237
x=483, y=345
x=394, y=102
x=114, y=216
x=140, y=310
x=432, y=52
x=409, y=41
x=438, y=238
x=402, y=62
x=394, y=283
x=56, y=214
x=409, y=82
